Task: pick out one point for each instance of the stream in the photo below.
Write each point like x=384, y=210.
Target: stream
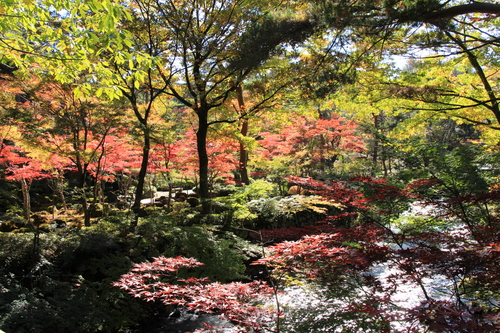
x=305, y=306
x=310, y=306
x=181, y=322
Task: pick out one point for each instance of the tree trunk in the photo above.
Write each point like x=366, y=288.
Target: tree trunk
x=323, y=161
x=242, y=167
x=141, y=178
x=244, y=155
x=86, y=209
x=25, y=188
x=82, y=175
x=59, y=189
x=375, y=143
x=201, y=142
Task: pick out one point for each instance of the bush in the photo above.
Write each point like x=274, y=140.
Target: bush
x=292, y=211
x=220, y=252
x=69, y=288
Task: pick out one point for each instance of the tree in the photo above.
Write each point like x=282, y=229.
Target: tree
x=18, y=167
x=222, y=151
x=53, y=117
x=63, y=37
x=139, y=71
x=243, y=162
x=22, y=169
x=461, y=84
x=459, y=42
x=207, y=50
x=155, y=281
x=343, y=262
x=310, y=145
x=64, y=40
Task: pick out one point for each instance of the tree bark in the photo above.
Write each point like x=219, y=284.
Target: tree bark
x=141, y=178
x=242, y=167
x=475, y=7
x=25, y=188
x=201, y=142
x=244, y=155
x=375, y=143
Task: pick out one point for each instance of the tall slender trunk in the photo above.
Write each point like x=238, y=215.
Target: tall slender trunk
x=375, y=143
x=35, y=259
x=82, y=175
x=25, y=188
x=323, y=144
x=141, y=178
x=244, y=155
x=58, y=189
x=201, y=143
x=86, y=208
x=242, y=167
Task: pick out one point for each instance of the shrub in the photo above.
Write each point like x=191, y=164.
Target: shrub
x=293, y=211
x=68, y=288
x=219, y=252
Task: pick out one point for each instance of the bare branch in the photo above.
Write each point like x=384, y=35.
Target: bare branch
x=474, y=7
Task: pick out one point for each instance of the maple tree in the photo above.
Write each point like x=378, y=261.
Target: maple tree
x=157, y=281
x=439, y=97
x=55, y=119
x=116, y=160
x=23, y=169
x=223, y=157
x=473, y=44
x=139, y=69
x=62, y=37
x=445, y=69
x=20, y=168
x=205, y=58
x=343, y=260
x=310, y=146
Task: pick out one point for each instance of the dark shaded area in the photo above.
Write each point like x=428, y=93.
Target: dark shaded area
x=180, y=322
x=7, y=69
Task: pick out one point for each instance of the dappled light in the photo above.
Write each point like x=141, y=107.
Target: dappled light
x=246, y=166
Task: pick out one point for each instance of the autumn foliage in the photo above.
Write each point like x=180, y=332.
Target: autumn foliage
x=156, y=281
x=346, y=261
x=308, y=145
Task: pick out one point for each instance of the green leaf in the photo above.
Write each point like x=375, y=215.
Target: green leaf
x=99, y=92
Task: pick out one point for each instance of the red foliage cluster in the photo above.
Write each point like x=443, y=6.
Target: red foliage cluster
x=155, y=281
x=344, y=259
x=472, y=268
x=321, y=138
x=330, y=255
x=466, y=258
x=447, y=316
x=338, y=191
x=424, y=183
x=19, y=166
